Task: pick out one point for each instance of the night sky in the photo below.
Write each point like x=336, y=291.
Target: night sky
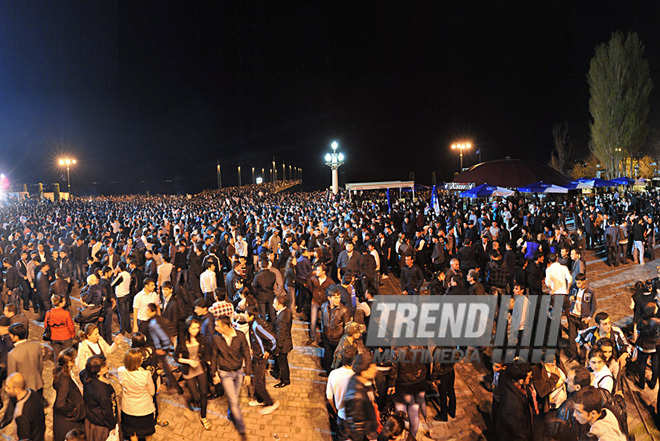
x=158, y=91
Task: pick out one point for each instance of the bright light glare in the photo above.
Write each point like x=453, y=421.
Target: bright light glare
x=328, y=157
x=341, y=157
x=61, y=161
x=334, y=145
x=2, y=176
x=260, y=180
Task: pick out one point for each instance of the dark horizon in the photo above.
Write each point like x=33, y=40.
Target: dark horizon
x=156, y=91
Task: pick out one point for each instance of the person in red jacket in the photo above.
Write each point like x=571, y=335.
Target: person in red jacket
x=61, y=326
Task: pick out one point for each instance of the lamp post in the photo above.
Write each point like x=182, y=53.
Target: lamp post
x=334, y=160
x=239, y=175
x=460, y=147
x=68, y=162
x=619, y=160
x=283, y=172
x=253, y=181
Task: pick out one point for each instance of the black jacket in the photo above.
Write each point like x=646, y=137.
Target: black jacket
x=231, y=358
x=203, y=352
x=261, y=339
x=282, y=327
x=360, y=412
x=412, y=278
x=69, y=404
x=100, y=401
x=32, y=423
x=515, y=413
x=333, y=326
x=11, y=278
x=264, y=285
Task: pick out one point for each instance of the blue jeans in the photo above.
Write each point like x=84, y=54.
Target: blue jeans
x=639, y=246
x=313, y=320
x=231, y=381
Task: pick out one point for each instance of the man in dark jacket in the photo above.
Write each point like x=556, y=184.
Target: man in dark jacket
x=534, y=274
x=264, y=291
x=467, y=257
x=612, y=244
x=12, y=282
x=25, y=408
x=231, y=353
x=361, y=419
x=580, y=308
x=334, y=316
x=42, y=287
x=515, y=419
x=263, y=344
x=411, y=277
x=282, y=327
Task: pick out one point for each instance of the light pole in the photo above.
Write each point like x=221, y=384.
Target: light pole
x=68, y=162
x=618, y=158
x=334, y=160
x=460, y=147
x=283, y=172
x=253, y=181
x=239, y=175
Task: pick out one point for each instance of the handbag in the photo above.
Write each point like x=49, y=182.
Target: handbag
x=88, y=314
x=46, y=334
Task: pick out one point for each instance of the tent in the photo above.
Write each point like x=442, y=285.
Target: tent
x=511, y=173
x=623, y=180
x=594, y=183
x=542, y=187
x=485, y=190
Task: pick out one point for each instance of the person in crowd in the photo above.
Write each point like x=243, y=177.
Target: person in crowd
x=647, y=343
x=26, y=358
x=352, y=337
x=222, y=306
x=231, y=355
x=407, y=381
x=194, y=356
x=336, y=390
x=141, y=304
x=589, y=410
x=62, y=329
x=206, y=318
x=557, y=276
x=162, y=335
x=207, y=282
x=101, y=415
x=334, y=318
x=264, y=291
x=282, y=329
x=91, y=344
x=588, y=338
x=412, y=278
x=319, y=283
x=69, y=407
x=24, y=409
x=122, y=286
x=12, y=313
x=396, y=428
x=602, y=377
x=137, y=405
x=442, y=377
x=581, y=306
x=42, y=290
x=361, y=419
x=475, y=287
x=263, y=344
x=515, y=418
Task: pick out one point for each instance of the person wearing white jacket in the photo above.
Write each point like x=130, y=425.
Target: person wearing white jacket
x=93, y=344
x=557, y=276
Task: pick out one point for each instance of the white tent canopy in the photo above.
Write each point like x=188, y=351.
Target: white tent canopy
x=382, y=185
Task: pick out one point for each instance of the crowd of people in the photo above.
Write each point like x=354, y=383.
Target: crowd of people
x=206, y=287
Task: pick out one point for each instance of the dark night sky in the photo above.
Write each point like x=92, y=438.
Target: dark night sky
x=154, y=91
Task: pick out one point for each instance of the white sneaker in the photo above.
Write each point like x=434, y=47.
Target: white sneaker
x=255, y=403
x=270, y=409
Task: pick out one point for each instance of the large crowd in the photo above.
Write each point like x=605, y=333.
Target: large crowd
x=205, y=289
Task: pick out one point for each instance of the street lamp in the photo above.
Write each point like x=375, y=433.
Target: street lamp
x=460, y=147
x=68, y=162
x=334, y=160
x=619, y=160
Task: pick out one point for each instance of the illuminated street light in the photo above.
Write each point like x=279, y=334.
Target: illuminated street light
x=334, y=160
x=68, y=162
x=460, y=147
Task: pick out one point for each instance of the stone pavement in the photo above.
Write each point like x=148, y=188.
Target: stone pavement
x=303, y=416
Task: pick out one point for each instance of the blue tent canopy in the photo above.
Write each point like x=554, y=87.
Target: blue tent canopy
x=542, y=187
x=485, y=190
x=624, y=180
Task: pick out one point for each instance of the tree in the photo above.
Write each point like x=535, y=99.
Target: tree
x=620, y=85
x=586, y=169
x=561, y=155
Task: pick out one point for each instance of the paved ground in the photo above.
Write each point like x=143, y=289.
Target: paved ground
x=303, y=416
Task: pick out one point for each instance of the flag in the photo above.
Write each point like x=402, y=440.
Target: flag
x=389, y=201
x=435, y=204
